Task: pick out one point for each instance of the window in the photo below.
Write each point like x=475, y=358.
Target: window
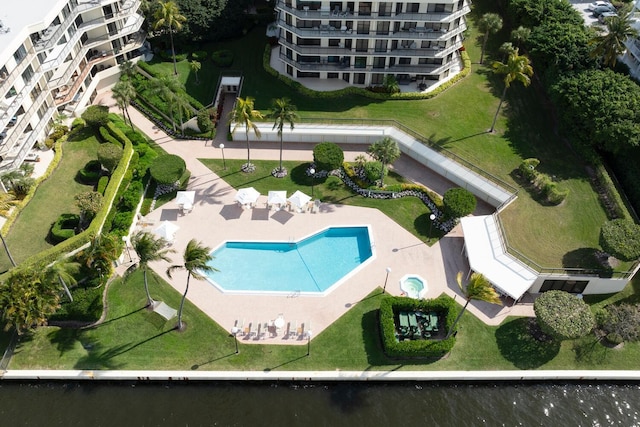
x=27, y=74
x=20, y=54
x=404, y=61
x=360, y=62
x=358, y=78
x=308, y=74
x=383, y=27
x=363, y=27
x=377, y=79
x=384, y=9
x=571, y=286
x=413, y=7
x=332, y=75
x=362, y=45
x=379, y=62
x=364, y=8
x=381, y=46
x=346, y=77
x=334, y=42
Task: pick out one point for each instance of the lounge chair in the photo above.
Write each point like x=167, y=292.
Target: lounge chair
x=300, y=330
x=245, y=329
x=292, y=332
x=253, y=331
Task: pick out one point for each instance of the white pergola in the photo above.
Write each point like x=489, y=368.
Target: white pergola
x=487, y=255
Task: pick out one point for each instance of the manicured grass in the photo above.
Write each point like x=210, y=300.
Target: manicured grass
x=53, y=197
x=408, y=212
x=134, y=338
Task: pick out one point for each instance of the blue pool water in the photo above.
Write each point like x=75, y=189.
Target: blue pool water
x=311, y=265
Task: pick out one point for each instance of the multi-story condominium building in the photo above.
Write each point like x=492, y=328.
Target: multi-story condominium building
x=631, y=56
x=362, y=41
x=54, y=56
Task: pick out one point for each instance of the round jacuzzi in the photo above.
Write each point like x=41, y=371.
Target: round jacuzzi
x=413, y=286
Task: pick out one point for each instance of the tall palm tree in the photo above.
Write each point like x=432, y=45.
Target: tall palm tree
x=167, y=88
x=168, y=15
x=7, y=200
x=386, y=151
x=149, y=248
x=101, y=253
x=610, y=44
x=128, y=69
x=183, y=108
x=506, y=49
x=245, y=114
x=196, y=261
x=517, y=68
x=283, y=111
x=520, y=35
x=195, y=67
x=124, y=92
x=478, y=289
x=490, y=23
x=63, y=271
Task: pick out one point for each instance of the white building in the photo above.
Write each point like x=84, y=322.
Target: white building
x=631, y=56
x=362, y=41
x=54, y=56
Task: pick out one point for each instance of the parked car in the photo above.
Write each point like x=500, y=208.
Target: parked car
x=32, y=157
x=605, y=15
x=597, y=4
x=602, y=9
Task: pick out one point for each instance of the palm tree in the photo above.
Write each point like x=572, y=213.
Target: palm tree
x=168, y=15
x=610, y=44
x=149, y=248
x=283, y=111
x=478, y=289
x=183, y=108
x=517, y=68
x=196, y=259
x=128, y=69
x=520, y=35
x=168, y=88
x=124, y=92
x=244, y=114
x=7, y=200
x=490, y=23
x=63, y=271
x=195, y=67
x=101, y=253
x=386, y=151
x=506, y=49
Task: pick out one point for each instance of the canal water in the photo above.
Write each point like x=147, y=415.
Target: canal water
x=330, y=404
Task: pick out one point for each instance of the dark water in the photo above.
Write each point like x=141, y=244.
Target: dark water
x=334, y=404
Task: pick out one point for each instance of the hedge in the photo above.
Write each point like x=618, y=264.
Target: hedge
x=459, y=202
x=102, y=184
x=64, y=227
x=167, y=169
x=443, y=305
x=327, y=156
x=105, y=136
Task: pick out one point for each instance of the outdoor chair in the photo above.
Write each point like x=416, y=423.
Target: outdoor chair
x=253, y=330
x=292, y=330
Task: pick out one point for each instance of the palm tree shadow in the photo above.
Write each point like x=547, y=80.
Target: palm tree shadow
x=106, y=322
x=64, y=339
x=285, y=363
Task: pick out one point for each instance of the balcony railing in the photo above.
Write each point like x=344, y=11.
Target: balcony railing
x=19, y=128
x=429, y=52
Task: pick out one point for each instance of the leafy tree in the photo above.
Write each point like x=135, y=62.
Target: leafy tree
x=557, y=48
x=196, y=261
x=6, y=203
x=109, y=155
x=609, y=44
x=532, y=13
x=167, y=169
x=103, y=250
x=622, y=320
x=621, y=238
x=204, y=120
x=386, y=151
x=195, y=67
x=127, y=70
x=327, y=156
x=517, y=68
x=124, y=92
x=479, y=289
x=168, y=16
x=96, y=116
x=183, y=108
x=89, y=204
x=167, y=88
x=459, y=202
x=27, y=300
x=245, y=114
x=149, y=248
x=205, y=18
x=283, y=111
x=63, y=271
x=562, y=315
x=490, y=23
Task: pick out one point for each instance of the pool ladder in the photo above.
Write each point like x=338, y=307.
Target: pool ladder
x=294, y=294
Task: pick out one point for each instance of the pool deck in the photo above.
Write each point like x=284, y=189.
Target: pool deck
x=216, y=217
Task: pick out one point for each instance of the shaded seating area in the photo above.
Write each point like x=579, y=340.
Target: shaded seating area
x=414, y=325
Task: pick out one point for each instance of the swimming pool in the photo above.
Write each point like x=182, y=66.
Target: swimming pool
x=313, y=265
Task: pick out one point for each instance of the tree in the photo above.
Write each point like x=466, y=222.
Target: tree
x=610, y=44
x=128, y=69
x=520, y=35
x=195, y=67
x=562, y=315
x=245, y=114
x=622, y=320
x=560, y=47
x=149, y=248
x=621, y=238
x=103, y=250
x=391, y=84
x=63, y=271
x=89, y=204
x=7, y=201
x=196, y=261
x=283, y=111
x=124, y=92
x=109, y=155
x=517, y=68
x=386, y=151
x=458, y=202
x=167, y=88
x=167, y=169
x=479, y=289
x=490, y=23
x=506, y=49
x=168, y=16
x=183, y=108
x=96, y=116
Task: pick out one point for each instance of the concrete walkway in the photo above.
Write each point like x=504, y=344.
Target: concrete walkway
x=217, y=218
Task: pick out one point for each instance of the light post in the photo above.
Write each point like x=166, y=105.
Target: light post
x=126, y=245
x=432, y=217
x=234, y=332
x=312, y=171
x=308, y=342
x=384, y=288
x=100, y=273
x=224, y=164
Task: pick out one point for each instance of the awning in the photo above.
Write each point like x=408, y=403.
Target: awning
x=487, y=255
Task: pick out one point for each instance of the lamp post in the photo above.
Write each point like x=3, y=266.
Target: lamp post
x=126, y=245
x=312, y=171
x=384, y=288
x=234, y=332
x=432, y=217
x=224, y=164
x=309, y=342
x=100, y=273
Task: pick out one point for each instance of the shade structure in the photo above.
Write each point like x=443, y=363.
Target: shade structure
x=299, y=199
x=247, y=195
x=277, y=197
x=185, y=198
x=166, y=230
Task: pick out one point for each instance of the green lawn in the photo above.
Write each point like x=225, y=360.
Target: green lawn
x=409, y=212
x=53, y=197
x=134, y=338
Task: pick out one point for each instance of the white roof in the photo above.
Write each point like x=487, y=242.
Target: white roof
x=230, y=81
x=487, y=256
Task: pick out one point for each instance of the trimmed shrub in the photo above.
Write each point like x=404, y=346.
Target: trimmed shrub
x=167, y=169
x=96, y=116
x=204, y=120
x=49, y=143
x=621, y=238
x=327, y=156
x=459, y=202
x=90, y=173
x=372, y=171
x=78, y=122
x=527, y=169
x=121, y=222
x=86, y=305
x=562, y=315
x=64, y=227
x=105, y=136
x=222, y=58
x=109, y=155
x=199, y=55
x=444, y=306
x=621, y=320
x=102, y=184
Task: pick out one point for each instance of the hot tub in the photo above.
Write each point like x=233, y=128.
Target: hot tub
x=413, y=286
